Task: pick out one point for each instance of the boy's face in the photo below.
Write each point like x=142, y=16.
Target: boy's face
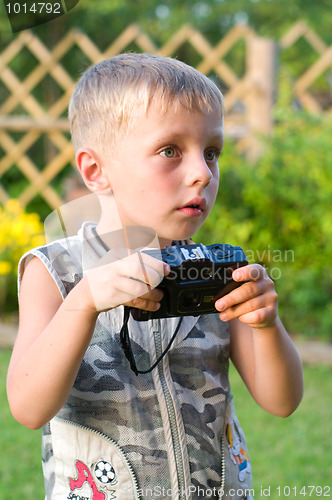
x=164, y=172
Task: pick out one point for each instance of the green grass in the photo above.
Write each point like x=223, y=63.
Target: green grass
x=20, y=450
x=296, y=451
x=293, y=452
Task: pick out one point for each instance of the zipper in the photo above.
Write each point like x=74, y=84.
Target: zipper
x=171, y=413
x=223, y=466
x=114, y=443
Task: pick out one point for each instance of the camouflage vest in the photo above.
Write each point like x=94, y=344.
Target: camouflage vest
x=170, y=434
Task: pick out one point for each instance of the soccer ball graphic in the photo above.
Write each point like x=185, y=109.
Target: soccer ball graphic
x=104, y=472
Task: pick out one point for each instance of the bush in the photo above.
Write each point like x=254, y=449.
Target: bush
x=20, y=232
x=279, y=210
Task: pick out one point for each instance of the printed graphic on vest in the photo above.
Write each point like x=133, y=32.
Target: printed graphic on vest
x=93, y=483
x=238, y=455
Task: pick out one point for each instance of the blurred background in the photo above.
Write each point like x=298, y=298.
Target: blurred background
x=271, y=58
x=273, y=62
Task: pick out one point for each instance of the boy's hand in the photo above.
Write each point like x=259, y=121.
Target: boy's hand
x=130, y=280
x=255, y=302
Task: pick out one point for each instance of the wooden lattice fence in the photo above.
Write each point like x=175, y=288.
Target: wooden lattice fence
x=34, y=132
x=322, y=66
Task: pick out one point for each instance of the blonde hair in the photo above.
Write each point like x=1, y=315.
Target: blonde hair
x=110, y=93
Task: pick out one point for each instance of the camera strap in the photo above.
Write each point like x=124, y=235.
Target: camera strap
x=126, y=346
x=124, y=333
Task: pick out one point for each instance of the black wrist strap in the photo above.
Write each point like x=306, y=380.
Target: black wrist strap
x=126, y=346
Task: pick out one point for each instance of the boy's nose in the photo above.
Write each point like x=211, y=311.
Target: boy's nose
x=199, y=172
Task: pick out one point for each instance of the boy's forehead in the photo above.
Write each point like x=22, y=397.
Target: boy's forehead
x=174, y=120
x=164, y=109
x=160, y=110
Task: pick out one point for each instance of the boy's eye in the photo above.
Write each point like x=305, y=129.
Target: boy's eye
x=211, y=155
x=169, y=152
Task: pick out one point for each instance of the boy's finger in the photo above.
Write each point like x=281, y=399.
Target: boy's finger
x=121, y=254
x=149, y=301
x=243, y=293
x=243, y=308
x=154, y=295
x=142, y=303
x=251, y=272
x=140, y=270
x=155, y=263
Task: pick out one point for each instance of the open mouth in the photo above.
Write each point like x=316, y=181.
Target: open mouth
x=194, y=207
x=197, y=203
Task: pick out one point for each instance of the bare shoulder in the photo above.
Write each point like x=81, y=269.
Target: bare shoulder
x=38, y=289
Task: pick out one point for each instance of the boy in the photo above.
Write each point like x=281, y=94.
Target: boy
x=148, y=133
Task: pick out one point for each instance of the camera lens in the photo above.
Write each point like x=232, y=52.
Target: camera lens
x=190, y=300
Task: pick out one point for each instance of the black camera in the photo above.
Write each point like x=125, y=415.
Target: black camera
x=199, y=276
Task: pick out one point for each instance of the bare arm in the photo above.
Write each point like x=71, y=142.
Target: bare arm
x=47, y=354
x=261, y=349
x=54, y=333
x=270, y=366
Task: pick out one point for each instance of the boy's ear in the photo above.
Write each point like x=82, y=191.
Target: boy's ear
x=90, y=166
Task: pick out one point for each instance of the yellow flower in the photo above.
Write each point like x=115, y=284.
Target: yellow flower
x=20, y=231
x=5, y=267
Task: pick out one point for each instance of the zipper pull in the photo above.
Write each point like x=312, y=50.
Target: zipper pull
x=155, y=325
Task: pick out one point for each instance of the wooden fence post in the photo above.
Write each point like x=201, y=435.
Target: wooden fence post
x=261, y=63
